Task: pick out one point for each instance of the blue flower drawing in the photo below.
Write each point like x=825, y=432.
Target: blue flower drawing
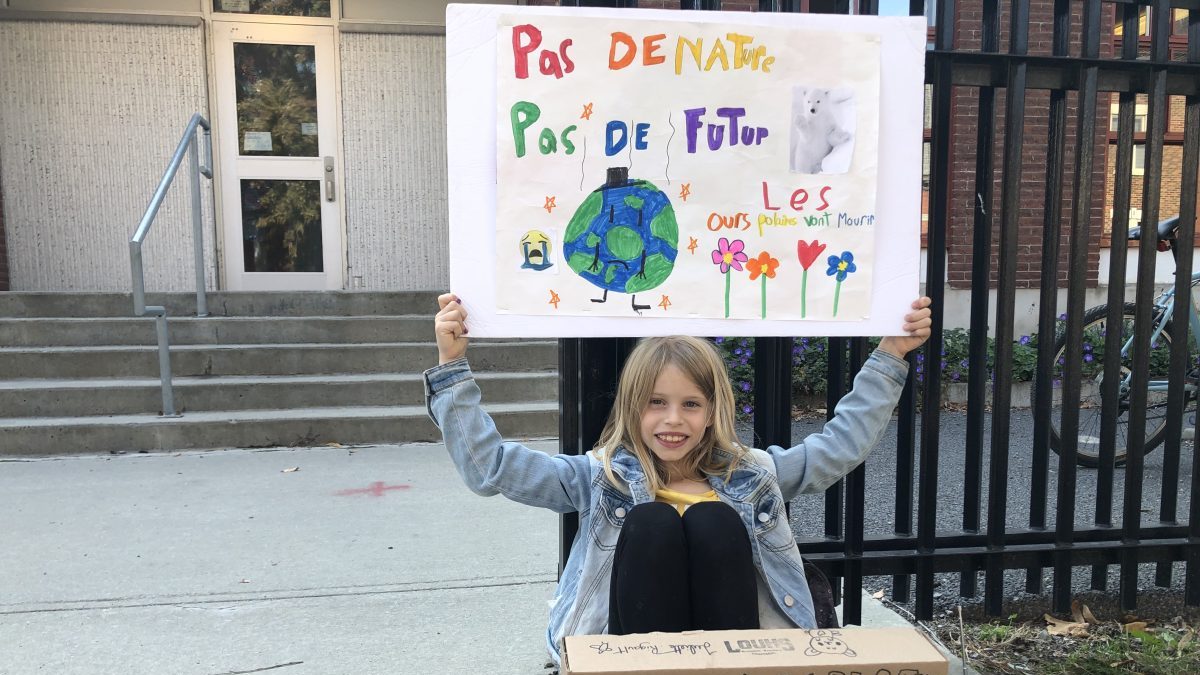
x=841, y=265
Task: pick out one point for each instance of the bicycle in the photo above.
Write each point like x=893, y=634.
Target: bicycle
x=1164, y=333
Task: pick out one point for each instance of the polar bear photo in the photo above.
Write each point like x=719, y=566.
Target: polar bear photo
x=822, y=129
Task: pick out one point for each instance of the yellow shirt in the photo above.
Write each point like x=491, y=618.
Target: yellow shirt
x=682, y=500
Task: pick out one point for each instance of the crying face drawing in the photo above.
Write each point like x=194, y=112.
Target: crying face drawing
x=827, y=642
x=535, y=251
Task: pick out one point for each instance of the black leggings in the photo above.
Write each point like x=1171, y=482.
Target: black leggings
x=674, y=574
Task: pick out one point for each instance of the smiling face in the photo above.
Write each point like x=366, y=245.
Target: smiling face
x=675, y=418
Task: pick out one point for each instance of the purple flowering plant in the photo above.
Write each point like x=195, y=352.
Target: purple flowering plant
x=810, y=364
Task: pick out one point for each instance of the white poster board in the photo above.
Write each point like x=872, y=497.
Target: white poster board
x=648, y=172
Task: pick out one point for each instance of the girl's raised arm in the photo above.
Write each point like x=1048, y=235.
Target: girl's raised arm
x=861, y=417
x=487, y=464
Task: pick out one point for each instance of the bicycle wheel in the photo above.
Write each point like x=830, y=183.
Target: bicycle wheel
x=1095, y=328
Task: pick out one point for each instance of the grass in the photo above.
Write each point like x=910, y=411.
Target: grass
x=1026, y=647
x=1158, y=652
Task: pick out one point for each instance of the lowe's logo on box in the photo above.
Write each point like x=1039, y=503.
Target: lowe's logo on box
x=764, y=646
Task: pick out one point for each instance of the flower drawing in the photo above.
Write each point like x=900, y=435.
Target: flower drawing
x=729, y=255
x=764, y=265
x=840, y=267
x=808, y=254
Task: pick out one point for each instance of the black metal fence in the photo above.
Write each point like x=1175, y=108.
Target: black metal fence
x=589, y=367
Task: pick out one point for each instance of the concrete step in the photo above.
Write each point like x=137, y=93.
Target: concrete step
x=63, y=332
x=66, y=398
x=40, y=436
x=266, y=359
x=223, y=303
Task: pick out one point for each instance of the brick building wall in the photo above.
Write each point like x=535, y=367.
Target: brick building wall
x=1172, y=161
x=726, y=5
x=968, y=28
x=3, y=249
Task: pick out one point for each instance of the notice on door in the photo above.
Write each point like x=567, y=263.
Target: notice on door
x=257, y=141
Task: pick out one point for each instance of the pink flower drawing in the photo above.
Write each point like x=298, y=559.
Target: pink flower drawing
x=729, y=255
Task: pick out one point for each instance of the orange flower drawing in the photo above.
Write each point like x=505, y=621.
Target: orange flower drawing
x=763, y=264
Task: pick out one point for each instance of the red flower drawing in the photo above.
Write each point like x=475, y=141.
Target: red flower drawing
x=808, y=253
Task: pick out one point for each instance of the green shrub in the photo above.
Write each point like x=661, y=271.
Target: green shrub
x=810, y=360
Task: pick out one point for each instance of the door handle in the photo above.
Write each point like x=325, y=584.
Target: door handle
x=329, y=186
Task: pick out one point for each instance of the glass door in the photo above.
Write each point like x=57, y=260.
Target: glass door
x=278, y=142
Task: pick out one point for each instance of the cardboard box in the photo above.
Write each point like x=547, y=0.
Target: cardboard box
x=846, y=651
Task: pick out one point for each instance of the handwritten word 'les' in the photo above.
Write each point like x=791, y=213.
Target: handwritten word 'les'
x=522, y=115
x=737, y=221
x=623, y=51
x=716, y=133
x=798, y=200
x=525, y=39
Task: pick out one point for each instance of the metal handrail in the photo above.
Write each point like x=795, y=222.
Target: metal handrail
x=187, y=145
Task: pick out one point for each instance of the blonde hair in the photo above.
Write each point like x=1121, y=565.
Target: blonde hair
x=699, y=361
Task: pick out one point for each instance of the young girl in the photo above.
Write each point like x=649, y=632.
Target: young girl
x=681, y=527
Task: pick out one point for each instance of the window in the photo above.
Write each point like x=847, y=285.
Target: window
x=275, y=7
x=1135, y=220
x=1143, y=22
x=1139, y=117
x=1179, y=22
x=893, y=7
x=1139, y=159
x=900, y=8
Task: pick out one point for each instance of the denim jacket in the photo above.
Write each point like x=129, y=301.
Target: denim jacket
x=758, y=490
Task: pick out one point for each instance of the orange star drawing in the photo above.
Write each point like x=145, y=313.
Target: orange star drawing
x=666, y=302
x=549, y=205
x=685, y=191
x=554, y=299
x=587, y=112
x=692, y=245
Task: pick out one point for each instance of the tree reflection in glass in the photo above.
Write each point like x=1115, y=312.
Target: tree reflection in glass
x=274, y=7
x=276, y=99
x=281, y=225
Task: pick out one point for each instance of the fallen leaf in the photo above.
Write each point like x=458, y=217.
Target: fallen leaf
x=878, y=595
x=1134, y=626
x=293, y=469
x=1068, y=628
x=1183, y=642
x=1089, y=617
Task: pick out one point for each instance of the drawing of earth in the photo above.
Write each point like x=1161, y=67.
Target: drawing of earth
x=623, y=237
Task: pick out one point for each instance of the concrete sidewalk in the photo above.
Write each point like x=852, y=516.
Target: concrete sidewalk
x=362, y=560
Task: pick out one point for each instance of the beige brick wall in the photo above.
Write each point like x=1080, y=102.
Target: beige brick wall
x=89, y=117
x=394, y=132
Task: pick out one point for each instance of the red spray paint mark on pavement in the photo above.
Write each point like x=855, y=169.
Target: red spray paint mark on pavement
x=377, y=489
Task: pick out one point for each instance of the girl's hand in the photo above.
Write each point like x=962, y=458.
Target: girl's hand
x=917, y=325
x=450, y=328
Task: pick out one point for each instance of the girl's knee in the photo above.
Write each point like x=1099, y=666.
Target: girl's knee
x=651, y=520
x=653, y=526
x=652, y=515
x=714, y=526
x=710, y=515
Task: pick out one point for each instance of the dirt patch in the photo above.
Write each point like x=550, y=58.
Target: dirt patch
x=1095, y=637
